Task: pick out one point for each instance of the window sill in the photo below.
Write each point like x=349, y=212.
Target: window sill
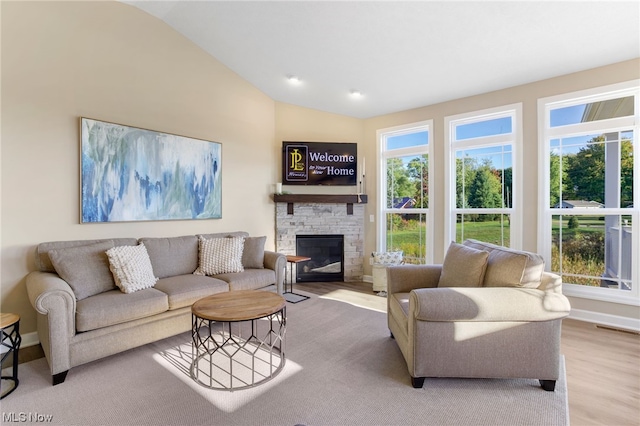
x=602, y=294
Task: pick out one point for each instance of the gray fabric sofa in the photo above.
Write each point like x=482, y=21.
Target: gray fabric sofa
x=92, y=318
x=486, y=312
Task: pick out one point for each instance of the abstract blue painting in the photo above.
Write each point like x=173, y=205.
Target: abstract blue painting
x=133, y=174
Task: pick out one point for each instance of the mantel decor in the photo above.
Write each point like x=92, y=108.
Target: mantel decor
x=348, y=199
x=133, y=174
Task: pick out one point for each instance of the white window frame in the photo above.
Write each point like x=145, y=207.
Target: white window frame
x=452, y=145
x=383, y=155
x=547, y=133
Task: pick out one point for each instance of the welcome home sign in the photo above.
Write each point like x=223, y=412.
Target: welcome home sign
x=319, y=163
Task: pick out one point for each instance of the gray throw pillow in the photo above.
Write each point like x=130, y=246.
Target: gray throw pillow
x=463, y=267
x=253, y=254
x=84, y=268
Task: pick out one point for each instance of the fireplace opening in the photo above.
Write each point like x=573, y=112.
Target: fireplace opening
x=327, y=258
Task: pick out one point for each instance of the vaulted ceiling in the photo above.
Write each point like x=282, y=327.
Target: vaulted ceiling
x=402, y=54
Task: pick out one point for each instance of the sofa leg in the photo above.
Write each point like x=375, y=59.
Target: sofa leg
x=59, y=378
x=548, y=385
x=417, y=382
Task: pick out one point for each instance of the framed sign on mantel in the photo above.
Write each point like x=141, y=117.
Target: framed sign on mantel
x=134, y=174
x=319, y=163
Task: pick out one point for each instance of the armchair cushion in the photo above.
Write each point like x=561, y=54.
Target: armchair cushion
x=510, y=268
x=463, y=266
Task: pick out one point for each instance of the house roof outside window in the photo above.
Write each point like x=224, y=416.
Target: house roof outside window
x=580, y=204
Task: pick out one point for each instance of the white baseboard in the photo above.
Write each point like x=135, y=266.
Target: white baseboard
x=29, y=339
x=615, y=321
x=367, y=278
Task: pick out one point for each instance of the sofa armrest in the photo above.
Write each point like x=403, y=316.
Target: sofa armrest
x=487, y=304
x=404, y=278
x=55, y=303
x=278, y=263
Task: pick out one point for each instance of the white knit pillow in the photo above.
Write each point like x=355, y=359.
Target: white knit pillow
x=131, y=268
x=220, y=255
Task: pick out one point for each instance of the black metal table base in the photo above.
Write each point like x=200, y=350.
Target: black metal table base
x=10, y=344
x=234, y=355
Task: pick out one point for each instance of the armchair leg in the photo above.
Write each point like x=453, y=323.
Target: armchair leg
x=548, y=385
x=59, y=378
x=417, y=382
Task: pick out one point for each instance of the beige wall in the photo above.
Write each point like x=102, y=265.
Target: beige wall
x=110, y=61
x=295, y=123
x=113, y=62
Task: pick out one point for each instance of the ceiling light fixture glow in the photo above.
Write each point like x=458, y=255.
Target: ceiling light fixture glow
x=294, y=79
x=355, y=94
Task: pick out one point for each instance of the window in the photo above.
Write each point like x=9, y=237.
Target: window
x=590, y=212
x=482, y=169
x=404, y=186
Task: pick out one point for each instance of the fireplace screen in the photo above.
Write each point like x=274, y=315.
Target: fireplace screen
x=327, y=258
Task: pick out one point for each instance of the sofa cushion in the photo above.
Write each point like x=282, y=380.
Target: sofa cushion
x=131, y=268
x=184, y=290
x=115, y=307
x=172, y=256
x=249, y=279
x=253, y=253
x=242, y=234
x=43, y=261
x=463, y=266
x=510, y=268
x=220, y=255
x=85, y=268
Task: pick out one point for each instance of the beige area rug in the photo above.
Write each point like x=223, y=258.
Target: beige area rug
x=342, y=368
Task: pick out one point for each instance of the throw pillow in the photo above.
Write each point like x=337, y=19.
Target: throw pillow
x=463, y=267
x=508, y=267
x=220, y=256
x=131, y=268
x=84, y=268
x=387, y=258
x=253, y=252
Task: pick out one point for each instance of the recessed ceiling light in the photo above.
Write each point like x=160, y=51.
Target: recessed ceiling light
x=294, y=79
x=355, y=94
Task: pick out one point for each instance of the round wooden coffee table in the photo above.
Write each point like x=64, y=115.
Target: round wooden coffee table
x=238, y=339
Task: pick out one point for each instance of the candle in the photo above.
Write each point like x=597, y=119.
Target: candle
x=363, y=164
x=279, y=188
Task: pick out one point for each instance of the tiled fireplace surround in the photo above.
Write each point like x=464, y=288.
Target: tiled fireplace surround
x=314, y=215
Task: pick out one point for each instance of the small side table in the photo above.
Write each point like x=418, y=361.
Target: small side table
x=290, y=296
x=11, y=339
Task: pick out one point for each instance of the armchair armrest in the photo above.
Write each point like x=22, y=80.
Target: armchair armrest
x=404, y=278
x=491, y=304
x=278, y=263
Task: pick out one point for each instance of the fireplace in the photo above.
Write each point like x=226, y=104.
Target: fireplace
x=327, y=258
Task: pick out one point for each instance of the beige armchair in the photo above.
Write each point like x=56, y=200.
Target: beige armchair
x=486, y=312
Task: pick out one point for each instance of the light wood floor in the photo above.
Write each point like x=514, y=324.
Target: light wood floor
x=603, y=365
